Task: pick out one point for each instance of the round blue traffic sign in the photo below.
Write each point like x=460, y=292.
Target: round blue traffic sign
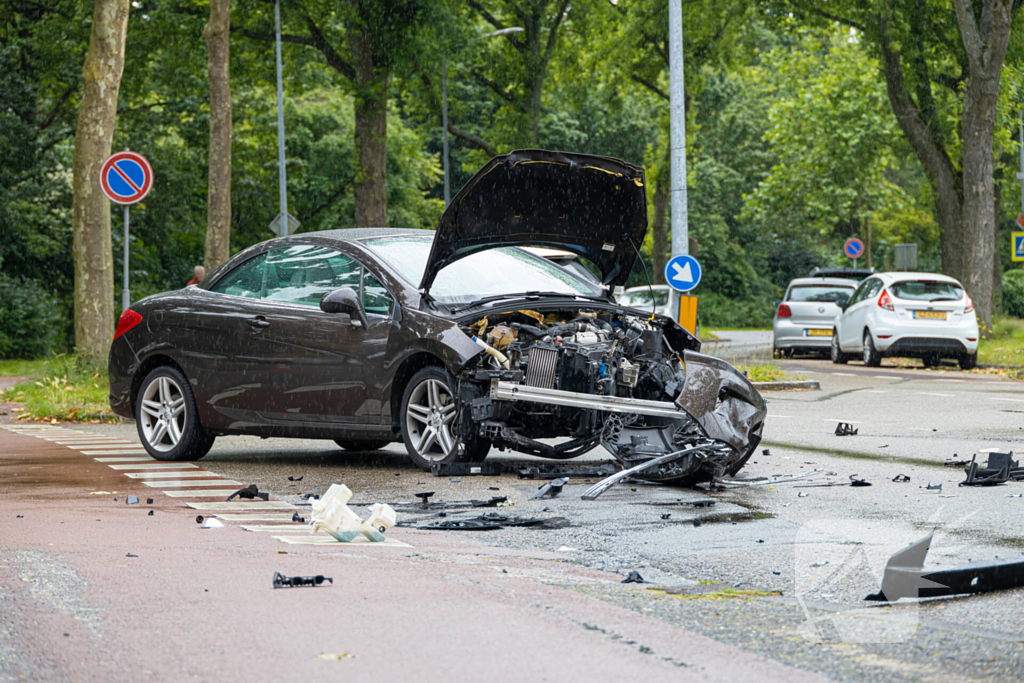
x=126, y=177
x=682, y=273
x=853, y=248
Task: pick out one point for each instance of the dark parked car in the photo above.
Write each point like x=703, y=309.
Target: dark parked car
x=453, y=341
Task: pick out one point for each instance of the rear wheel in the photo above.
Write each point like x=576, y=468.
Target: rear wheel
x=167, y=417
x=872, y=358
x=836, y=353
x=430, y=422
x=361, y=445
x=931, y=361
x=968, y=361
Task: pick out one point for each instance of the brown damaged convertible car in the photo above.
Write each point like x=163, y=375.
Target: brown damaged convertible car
x=453, y=341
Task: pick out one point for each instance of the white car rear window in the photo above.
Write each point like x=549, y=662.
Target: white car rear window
x=927, y=290
x=819, y=293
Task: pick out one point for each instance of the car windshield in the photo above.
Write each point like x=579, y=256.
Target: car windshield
x=834, y=293
x=503, y=270
x=927, y=290
x=643, y=297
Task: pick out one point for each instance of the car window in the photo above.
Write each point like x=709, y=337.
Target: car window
x=643, y=297
x=302, y=274
x=376, y=298
x=927, y=290
x=874, y=287
x=858, y=294
x=244, y=280
x=833, y=293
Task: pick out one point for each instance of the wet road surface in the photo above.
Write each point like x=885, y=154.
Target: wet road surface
x=798, y=556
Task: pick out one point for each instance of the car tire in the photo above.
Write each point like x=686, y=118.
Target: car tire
x=167, y=418
x=361, y=445
x=872, y=358
x=836, y=353
x=968, y=361
x=429, y=420
x=931, y=361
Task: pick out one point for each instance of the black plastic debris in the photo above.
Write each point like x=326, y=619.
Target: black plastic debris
x=996, y=470
x=766, y=452
x=21, y=516
x=130, y=555
x=199, y=519
x=933, y=487
x=492, y=520
x=250, y=492
x=906, y=577
x=703, y=503
x=425, y=498
x=149, y=501
x=313, y=496
x=854, y=481
x=802, y=494
x=550, y=490
x=282, y=581
x=667, y=515
x=131, y=500
x=845, y=429
x=299, y=478
x=957, y=463
x=150, y=513
x=467, y=469
x=634, y=577
x=560, y=471
x=296, y=518
x=697, y=522
x=901, y=478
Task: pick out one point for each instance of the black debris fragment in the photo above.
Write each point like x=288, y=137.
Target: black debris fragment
x=697, y=522
x=282, y=581
x=854, y=481
x=492, y=520
x=493, y=488
x=802, y=494
x=21, y=516
x=425, y=498
x=130, y=555
x=551, y=489
x=467, y=469
x=296, y=518
x=845, y=429
x=634, y=577
x=250, y=492
x=560, y=471
x=149, y=501
x=766, y=452
x=703, y=503
x=298, y=478
x=901, y=478
x=933, y=487
x=199, y=519
x=666, y=515
x=150, y=513
x=314, y=496
x=131, y=500
x=996, y=471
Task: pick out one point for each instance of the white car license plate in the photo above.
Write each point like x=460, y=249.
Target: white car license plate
x=817, y=332
x=930, y=315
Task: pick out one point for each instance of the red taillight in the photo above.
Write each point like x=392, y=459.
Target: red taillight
x=129, y=319
x=884, y=301
x=970, y=304
x=784, y=311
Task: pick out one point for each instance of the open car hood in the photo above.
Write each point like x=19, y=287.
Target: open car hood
x=595, y=207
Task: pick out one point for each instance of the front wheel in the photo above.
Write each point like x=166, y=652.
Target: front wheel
x=872, y=358
x=836, y=352
x=167, y=417
x=430, y=422
x=968, y=361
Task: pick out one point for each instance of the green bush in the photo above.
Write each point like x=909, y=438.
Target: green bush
x=31, y=319
x=1013, y=293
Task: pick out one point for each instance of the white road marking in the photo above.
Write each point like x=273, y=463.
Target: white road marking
x=887, y=377
x=206, y=493
x=279, y=528
x=1015, y=400
x=361, y=541
x=243, y=505
x=129, y=451
x=169, y=475
x=255, y=516
x=132, y=458
x=191, y=482
x=932, y=393
x=920, y=429
x=844, y=374
x=94, y=446
x=155, y=466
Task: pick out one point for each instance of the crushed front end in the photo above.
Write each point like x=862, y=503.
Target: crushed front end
x=633, y=384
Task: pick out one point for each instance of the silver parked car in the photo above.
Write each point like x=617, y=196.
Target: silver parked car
x=805, y=317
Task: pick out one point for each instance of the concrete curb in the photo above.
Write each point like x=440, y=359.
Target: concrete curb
x=786, y=386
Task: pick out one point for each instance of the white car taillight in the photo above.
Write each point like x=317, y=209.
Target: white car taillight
x=884, y=301
x=970, y=304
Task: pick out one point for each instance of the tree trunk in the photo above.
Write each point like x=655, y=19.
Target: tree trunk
x=218, y=207
x=94, y=262
x=867, y=240
x=659, y=228
x=371, y=108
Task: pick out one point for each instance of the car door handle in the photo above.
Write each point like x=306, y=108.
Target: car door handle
x=258, y=322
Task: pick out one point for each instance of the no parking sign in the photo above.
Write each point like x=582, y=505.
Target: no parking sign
x=126, y=178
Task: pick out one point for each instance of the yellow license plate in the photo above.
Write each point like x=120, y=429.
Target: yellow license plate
x=813, y=332
x=931, y=315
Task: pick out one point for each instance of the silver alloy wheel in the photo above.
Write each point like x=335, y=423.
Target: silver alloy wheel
x=429, y=418
x=162, y=414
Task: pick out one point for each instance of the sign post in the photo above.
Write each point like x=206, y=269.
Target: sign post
x=126, y=178
x=683, y=273
x=854, y=249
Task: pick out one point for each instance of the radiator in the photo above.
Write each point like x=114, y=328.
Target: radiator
x=542, y=366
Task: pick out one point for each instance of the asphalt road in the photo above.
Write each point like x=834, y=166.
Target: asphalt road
x=806, y=553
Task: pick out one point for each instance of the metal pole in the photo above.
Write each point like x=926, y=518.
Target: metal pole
x=677, y=106
x=444, y=123
x=282, y=177
x=125, y=295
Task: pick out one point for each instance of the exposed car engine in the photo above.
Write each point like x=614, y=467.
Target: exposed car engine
x=613, y=379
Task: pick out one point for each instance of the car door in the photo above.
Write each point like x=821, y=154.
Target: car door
x=856, y=314
x=316, y=362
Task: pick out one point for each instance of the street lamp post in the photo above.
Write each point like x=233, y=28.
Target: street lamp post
x=444, y=103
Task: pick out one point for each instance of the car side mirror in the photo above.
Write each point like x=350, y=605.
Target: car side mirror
x=843, y=304
x=344, y=300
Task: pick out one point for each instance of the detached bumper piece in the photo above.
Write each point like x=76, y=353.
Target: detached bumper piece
x=282, y=581
x=906, y=577
x=1000, y=468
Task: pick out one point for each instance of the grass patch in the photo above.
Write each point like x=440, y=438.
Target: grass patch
x=1003, y=344
x=23, y=368
x=765, y=372
x=61, y=388
x=727, y=594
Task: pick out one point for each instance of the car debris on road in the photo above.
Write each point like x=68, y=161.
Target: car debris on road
x=845, y=429
x=282, y=581
x=250, y=492
x=550, y=490
x=998, y=470
x=333, y=515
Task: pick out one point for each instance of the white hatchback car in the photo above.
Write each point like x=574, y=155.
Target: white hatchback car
x=916, y=315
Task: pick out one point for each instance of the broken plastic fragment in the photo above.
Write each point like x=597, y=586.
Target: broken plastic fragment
x=131, y=500
x=634, y=577
x=332, y=514
x=213, y=523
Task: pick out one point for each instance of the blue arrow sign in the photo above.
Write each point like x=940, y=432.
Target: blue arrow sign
x=682, y=273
